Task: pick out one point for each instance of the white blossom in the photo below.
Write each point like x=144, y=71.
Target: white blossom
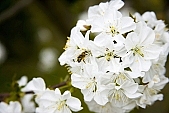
x=109, y=107
x=117, y=61
x=23, y=81
x=99, y=10
x=89, y=83
x=140, y=47
x=121, y=64
x=159, y=27
x=28, y=104
x=27, y=100
x=12, y=107
x=151, y=90
x=76, y=49
x=54, y=102
x=38, y=86
x=113, y=23
x=83, y=25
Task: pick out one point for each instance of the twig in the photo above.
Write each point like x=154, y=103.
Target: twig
x=14, y=9
x=6, y=95
x=3, y=96
x=59, y=85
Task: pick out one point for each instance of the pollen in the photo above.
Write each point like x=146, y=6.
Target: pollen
x=92, y=84
x=137, y=50
x=109, y=54
x=61, y=105
x=114, y=31
x=67, y=43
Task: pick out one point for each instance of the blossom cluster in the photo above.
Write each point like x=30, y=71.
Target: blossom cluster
x=47, y=100
x=117, y=61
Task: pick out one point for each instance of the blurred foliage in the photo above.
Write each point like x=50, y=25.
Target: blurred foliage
x=46, y=24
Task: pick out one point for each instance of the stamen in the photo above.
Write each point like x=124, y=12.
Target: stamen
x=114, y=31
x=61, y=104
x=137, y=50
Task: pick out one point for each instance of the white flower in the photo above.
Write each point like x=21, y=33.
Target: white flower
x=158, y=26
x=121, y=65
x=83, y=25
x=12, y=107
x=23, y=81
x=53, y=102
x=148, y=17
x=124, y=91
x=89, y=83
x=150, y=91
x=27, y=103
x=99, y=10
x=109, y=107
x=109, y=52
x=113, y=23
x=156, y=70
x=38, y=86
x=140, y=47
x=77, y=49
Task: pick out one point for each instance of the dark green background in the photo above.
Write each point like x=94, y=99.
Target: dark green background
x=19, y=35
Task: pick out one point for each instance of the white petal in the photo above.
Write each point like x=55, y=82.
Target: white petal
x=23, y=81
x=141, y=64
x=117, y=4
x=151, y=51
x=50, y=95
x=93, y=11
x=36, y=85
x=57, y=91
x=130, y=87
x=64, y=110
x=101, y=97
x=135, y=95
x=66, y=95
x=78, y=81
x=76, y=36
x=15, y=107
x=74, y=104
x=146, y=34
x=3, y=107
x=88, y=94
x=126, y=24
x=131, y=41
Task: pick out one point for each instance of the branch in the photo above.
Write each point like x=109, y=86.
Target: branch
x=60, y=85
x=14, y=9
x=3, y=96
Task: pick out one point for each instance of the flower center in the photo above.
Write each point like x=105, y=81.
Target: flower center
x=92, y=84
x=114, y=31
x=119, y=79
x=118, y=95
x=109, y=55
x=137, y=50
x=61, y=105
